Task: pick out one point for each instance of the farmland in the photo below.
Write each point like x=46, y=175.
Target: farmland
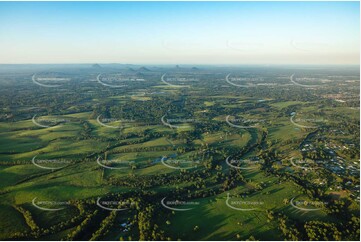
x=189, y=156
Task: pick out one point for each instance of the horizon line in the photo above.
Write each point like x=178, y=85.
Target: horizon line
x=195, y=64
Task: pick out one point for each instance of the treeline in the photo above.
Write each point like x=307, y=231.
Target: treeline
x=293, y=230
x=38, y=232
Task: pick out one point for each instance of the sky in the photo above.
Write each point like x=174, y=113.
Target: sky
x=180, y=32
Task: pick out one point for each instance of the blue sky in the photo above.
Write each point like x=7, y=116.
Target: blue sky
x=180, y=32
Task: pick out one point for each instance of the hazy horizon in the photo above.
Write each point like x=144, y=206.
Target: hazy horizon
x=194, y=33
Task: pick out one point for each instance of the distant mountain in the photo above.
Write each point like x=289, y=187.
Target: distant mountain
x=195, y=68
x=131, y=69
x=177, y=66
x=143, y=69
x=97, y=66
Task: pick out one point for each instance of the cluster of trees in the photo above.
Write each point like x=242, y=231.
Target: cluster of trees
x=83, y=227
x=37, y=232
x=105, y=225
x=317, y=230
x=287, y=227
x=148, y=230
x=314, y=230
x=311, y=230
x=159, y=179
x=28, y=218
